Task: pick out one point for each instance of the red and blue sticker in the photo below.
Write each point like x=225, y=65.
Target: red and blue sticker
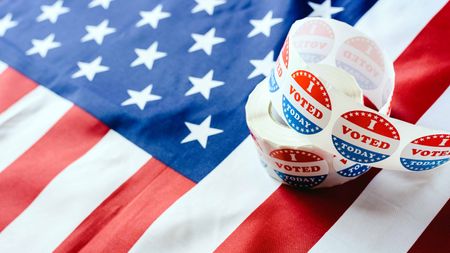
x=427, y=152
x=307, y=107
x=348, y=168
x=364, y=137
x=363, y=59
x=314, y=41
x=299, y=168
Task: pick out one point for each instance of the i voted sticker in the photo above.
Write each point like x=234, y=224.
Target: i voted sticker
x=299, y=168
x=313, y=41
x=348, y=168
x=427, y=152
x=362, y=58
x=307, y=106
x=364, y=137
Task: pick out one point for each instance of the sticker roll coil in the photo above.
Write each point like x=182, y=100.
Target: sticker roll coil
x=317, y=55
x=288, y=157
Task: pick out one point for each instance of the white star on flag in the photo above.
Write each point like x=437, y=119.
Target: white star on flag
x=262, y=67
x=148, y=56
x=263, y=25
x=152, y=17
x=6, y=23
x=200, y=132
x=207, y=6
x=98, y=32
x=205, y=41
x=42, y=47
x=203, y=85
x=324, y=9
x=90, y=69
x=52, y=12
x=103, y=3
x=141, y=98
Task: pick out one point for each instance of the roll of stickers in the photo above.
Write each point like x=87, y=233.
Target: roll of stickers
x=293, y=159
x=312, y=88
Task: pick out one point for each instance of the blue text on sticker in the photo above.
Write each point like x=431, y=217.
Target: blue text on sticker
x=355, y=153
x=299, y=181
x=419, y=165
x=297, y=121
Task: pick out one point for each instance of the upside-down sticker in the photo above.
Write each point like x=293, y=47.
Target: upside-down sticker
x=299, y=168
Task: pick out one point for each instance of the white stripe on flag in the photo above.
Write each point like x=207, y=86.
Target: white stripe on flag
x=434, y=117
x=73, y=195
x=207, y=214
x=394, y=209
x=395, y=24
x=27, y=120
x=3, y=67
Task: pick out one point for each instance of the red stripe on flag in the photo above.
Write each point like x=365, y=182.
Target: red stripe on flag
x=293, y=221
x=423, y=69
x=436, y=236
x=13, y=86
x=124, y=216
x=21, y=182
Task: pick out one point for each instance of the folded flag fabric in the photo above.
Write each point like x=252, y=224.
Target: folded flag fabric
x=122, y=128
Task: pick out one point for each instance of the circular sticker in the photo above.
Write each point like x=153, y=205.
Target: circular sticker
x=313, y=41
x=299, y=168
x=307, y=107
x=426, y=152
x=348, y=168
x=364, y=137
x=362, y=58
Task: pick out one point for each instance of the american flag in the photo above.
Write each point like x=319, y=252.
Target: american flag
x=122, y=128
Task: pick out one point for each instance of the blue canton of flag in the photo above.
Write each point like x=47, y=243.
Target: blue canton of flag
x=171, y=76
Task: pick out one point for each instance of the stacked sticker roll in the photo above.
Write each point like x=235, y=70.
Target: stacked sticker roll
x=308, y=118
x=291, y=158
